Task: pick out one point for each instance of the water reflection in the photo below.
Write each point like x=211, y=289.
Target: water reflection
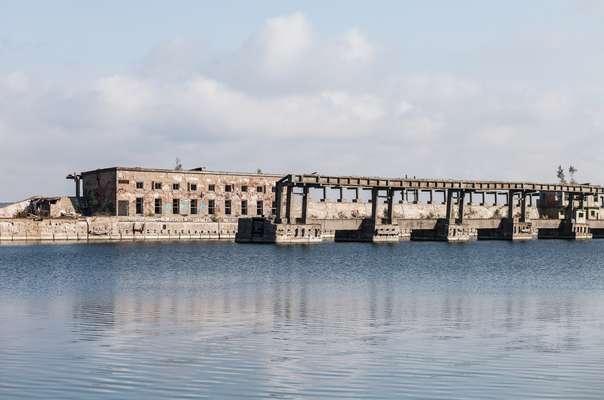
x=330, y=321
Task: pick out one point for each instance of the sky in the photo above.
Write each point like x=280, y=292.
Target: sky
x=465, y=89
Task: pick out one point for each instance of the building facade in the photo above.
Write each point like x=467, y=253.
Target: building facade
x=186, y=194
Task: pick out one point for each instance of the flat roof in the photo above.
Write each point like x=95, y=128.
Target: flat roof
x=183, y=171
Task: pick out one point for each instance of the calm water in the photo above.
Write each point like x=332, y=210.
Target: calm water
x=489, y=320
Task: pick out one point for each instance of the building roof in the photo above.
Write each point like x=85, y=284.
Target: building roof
x=185, y=171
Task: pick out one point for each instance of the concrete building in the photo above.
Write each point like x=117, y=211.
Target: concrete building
x=195, y=194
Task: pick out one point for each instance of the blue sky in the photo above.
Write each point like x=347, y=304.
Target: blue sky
x=113, y=35
x=471, y=89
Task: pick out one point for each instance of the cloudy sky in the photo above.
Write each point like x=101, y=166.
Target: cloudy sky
x=464, y=89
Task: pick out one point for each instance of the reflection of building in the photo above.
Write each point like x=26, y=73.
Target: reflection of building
x=161, y=192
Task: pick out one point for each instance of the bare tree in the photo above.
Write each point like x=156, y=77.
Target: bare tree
x=560, y=174
x=571, y=173
x=178, y=166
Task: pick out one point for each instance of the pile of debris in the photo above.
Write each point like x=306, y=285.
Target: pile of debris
x=42, y=207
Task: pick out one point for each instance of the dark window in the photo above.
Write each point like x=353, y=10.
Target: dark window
x=123, y=181
x=192, y=187
x=260, y=189
x=193, y=206
x=176, y=186
x=175, y=206
x=139, y=205
x=122, y=208
x=158, y=206
x=140, y=185
x=259, y=207
x=211, y=188
x=227, y=207
x=244, y=188
x=228, y=188
x=157, y=185
x=274, y=208
x=273, y=189
x=243, y=207
x=211, y=207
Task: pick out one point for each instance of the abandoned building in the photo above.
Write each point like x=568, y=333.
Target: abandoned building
x=193, y=193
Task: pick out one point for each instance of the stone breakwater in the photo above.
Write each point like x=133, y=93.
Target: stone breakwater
x=111, y=228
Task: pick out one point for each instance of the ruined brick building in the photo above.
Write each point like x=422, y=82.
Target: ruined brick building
x=190, y=194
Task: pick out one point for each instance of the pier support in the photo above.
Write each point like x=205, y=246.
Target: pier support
x=304, y=217
x=452, y=227
x=575, y=224
x=288, y=204
x=517, y=227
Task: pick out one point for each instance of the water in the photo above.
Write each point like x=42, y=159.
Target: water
x=488, y=320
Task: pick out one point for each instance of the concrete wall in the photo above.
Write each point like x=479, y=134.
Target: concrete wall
x=99, y=190
x=107, y=228
x=335, y=210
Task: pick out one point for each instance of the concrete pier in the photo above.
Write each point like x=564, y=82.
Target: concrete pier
x=459, y=200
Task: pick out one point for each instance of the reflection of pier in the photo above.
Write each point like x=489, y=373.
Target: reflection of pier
x=454, y=225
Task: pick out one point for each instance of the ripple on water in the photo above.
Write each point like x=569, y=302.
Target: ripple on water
x=218, y=320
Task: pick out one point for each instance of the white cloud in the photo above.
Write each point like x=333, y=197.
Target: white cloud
x=291, y=99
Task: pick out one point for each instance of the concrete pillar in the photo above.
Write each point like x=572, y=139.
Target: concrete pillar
x=470, y=195
x=523, y=216
x=77, y=185
x=449, y=205
x=374, y=205
x=444, y=192
x=510, y=204
x=462, y=201
x=305, y=204
x=390, y=206
x=496, y=197
x=341, y=195
x=356, y=195
x=288, y=204
x=403, y=193
x=483, y=199
x=430, y=196
x=324, y=194
x=570, y=208
x=406, y=196
x=416, y=196
x=76, y=179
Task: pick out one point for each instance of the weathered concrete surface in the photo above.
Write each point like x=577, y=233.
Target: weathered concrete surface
x=107, y=228
x=119, y=228
x=262, y=230
x=335, y=210
x=331, y=216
